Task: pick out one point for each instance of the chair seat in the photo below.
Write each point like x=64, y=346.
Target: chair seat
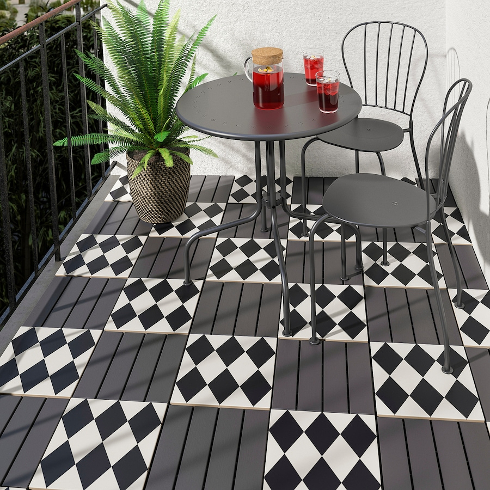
x=365, y=134
x=377, y=201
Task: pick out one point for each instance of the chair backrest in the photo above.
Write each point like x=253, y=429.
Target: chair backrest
x=447, y=128
x=394, y=63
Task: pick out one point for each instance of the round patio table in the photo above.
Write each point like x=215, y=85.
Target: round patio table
x=224, y=108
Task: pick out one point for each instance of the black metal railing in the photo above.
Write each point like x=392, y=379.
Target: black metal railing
x=23, y=160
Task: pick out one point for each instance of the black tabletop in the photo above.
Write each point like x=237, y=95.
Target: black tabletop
x=225, y=108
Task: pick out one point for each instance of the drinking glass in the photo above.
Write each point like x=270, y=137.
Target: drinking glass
x=313, y=62
x=327, y=88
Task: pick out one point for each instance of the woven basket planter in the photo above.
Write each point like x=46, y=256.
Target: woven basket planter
x=159, y=193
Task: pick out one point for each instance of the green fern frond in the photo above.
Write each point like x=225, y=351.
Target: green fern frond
x=184, y=157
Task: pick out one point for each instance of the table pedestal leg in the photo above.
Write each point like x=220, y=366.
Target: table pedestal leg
x=271, y=189
x=225, y=226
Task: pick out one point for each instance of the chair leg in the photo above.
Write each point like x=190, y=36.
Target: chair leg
x=457, y=301
x=415, y=159
x=314, y=340
x=447, y=369
x=381, y=163
x=264, y=227
x=385, y=247
x=357, y=161
x=303, y=182
x=344, y=276
x=359, y=266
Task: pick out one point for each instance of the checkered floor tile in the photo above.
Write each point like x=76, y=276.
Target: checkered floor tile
x=46, y=361
x=409, y=382
x=196, y=217
x=101, y=444
x=156, y=306
x=225, y=371
x=245, y=260
x=243, y=190
x=408, y=267
x=341, y=312
x=474, y=319
x=102, y=256
x=314, y=450
x=120, y=190
x=329, y=232
x=457, y=229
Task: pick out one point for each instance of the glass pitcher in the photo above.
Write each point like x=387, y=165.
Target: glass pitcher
x=267, y=77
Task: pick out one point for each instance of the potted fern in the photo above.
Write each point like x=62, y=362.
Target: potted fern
x=151, y=63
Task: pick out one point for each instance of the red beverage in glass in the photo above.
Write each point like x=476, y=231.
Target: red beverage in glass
x=268, y=87
x=328, y=96
x=313, y=64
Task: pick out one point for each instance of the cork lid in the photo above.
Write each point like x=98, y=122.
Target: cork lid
x=266, y=56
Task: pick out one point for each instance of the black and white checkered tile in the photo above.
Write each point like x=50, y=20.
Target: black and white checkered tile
x=101, y=444
x=409, y=382
x=328, y=232
x=120, y=190
x=341, y=312
x=408, y=267
x=243, y=190
x=315, y=450
x=474, y=319
x=46, y=361
x=196, y=217
x=102, y=256
x=226, y=371
x=457, y=229
x=245, y=260
x=155, y=305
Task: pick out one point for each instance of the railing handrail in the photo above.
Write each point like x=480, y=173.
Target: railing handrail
x=33, y=23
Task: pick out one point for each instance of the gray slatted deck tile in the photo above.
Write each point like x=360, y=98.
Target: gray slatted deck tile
x=30, y=454
x=16, y=430
x=477, y=445
x=197, y=448
x=422, y=455
x=165, y=465
x=395, y=469
x=224, y=451
x=451, y=455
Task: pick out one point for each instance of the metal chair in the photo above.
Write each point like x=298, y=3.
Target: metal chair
x=395, y=59
x=383, y=202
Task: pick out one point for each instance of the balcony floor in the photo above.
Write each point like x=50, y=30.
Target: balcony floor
x=123, y=378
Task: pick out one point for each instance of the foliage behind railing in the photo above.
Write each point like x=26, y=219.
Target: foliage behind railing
x=31, y=241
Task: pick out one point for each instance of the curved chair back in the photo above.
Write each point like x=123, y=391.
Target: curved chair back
x=447, y=127
x=394, y=63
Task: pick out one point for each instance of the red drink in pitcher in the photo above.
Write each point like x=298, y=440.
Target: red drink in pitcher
x=313, y=64
x=268, y=87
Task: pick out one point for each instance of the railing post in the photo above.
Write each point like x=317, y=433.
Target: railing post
x=99, y=98
x=30, y=185
x=68, y=129
x=83, y=100
x=49, y=142
x=7, y=235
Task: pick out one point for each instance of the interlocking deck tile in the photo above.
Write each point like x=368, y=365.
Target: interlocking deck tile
x=101, y=443
x=340, y=310
x=46, y=361
x=102, y=256
x=226, y=371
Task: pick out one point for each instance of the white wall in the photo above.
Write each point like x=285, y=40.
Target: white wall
x=242, y=25
x=468, y=56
